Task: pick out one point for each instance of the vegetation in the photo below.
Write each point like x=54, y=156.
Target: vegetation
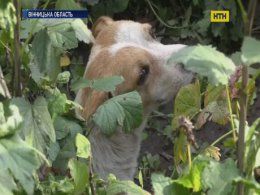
x=42, y=147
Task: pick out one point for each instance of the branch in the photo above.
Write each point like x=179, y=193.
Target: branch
x=17, y=57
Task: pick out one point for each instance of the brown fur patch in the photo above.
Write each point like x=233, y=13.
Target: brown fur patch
x=127, y=63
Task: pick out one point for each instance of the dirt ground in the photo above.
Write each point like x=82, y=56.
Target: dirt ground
x=156, y=143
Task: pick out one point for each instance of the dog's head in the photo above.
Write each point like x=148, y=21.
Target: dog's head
x=129, y=49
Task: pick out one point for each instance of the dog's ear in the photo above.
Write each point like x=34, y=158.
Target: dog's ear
x=90, y=100
x=100, y=24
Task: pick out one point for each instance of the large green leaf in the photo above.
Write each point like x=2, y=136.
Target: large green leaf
x=82, y=31
x=67, y=4
x=7, y=16
x=161, y=184
x=37, y=128
x=30, y=27
x=80, y=174
x=7, y=184
x=109, y=7
x=66, y=131
x=20, y=159
x=83, y=146
x=46, y=57
x=125, y=187
x=180, y=148
x=192, y=179
x=214, y=93
x=64, y=127
x=205, y=61
x=57, y=102
x=250, y=51
x=29, y=4
x=187, y=102
x=9, y=124
x=219, y=111
x=123, y=110
x=104, y=84
x=217, y=177
x=62, y=36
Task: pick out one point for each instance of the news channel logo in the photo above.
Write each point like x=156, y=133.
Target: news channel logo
x=219, y=16
x=52, y=14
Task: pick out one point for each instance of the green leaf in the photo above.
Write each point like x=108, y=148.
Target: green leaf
x=204, y=24
x=108, y=83
x=252, y=149
x=62, y=36
x=9, y=124
x=217, y=177
x=205, y=61
x=66, y=132
x=64, y=127
x=250, y=51
x=53, y=151
x=236, y=58
x=140, y=178
x=63, y=77
x=109, y=7
x=250, y=184
x=20, y=159
x=187, y=102
x=46, y=58
x=125, y=187
x=104, y=84
x=80, y=174
x=219, y=111
x=7, y=16
x=82, y=31
x=214, y=103
x=30, y=27
x=81, y=83
x=180, y=149
x=29, y=4
x=66, y=186
x=57, y=102
x=67, y=4
x=83, y=146
x=193, y=178
x=37, y=128
x=213, y=94
x=161, y=184
x=7, y=184
x=123, y=110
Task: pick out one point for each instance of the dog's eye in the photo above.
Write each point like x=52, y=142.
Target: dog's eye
x=144, y=71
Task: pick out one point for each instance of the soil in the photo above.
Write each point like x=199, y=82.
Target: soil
x=156, y=143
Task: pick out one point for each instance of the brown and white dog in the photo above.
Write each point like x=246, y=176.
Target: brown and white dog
x=128, y=49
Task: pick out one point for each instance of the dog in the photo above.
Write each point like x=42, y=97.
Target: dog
x=129, y=49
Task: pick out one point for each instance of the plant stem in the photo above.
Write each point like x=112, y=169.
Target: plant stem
x=91, y=182
x=159, y=18
x=248, y=23
x=231, y=114
x=242, y=124
x=17, y=57
x=221, y=137
x=189, y=155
